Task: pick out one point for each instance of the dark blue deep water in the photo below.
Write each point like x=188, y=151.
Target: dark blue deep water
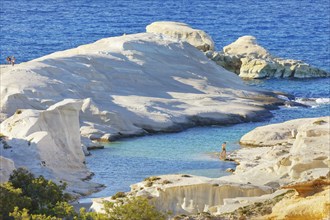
x=297, y=29
x=291, y=29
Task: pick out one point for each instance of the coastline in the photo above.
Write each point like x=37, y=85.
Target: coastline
x=261, y=167
x=109, y=90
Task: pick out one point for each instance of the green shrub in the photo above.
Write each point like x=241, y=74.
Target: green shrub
x=118, y=195
x=319, y=122
x=25, y=197
x=135, y=208
x=11, y=197
x=44, y=193
x=152, y=178
x=166, y=182
x=185, y=175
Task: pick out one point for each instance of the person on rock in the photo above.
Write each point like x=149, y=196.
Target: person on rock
x=8, y=59
x=223, y=153
x=13, y=59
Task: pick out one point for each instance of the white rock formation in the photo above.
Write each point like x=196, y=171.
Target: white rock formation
x=7, y=166
x=251, y=61
x=246, y=46
x=288, y=158
x=47, y=142
x=182, y=32
x=180, y=194
x=277, y=159
x=134, y=84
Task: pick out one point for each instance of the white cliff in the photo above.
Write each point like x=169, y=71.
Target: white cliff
x=134, y=84
x=249, y=60
x=46, y=142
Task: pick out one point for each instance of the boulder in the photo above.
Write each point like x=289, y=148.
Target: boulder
x=182, y=32
x=251, y=61
x=246, y=46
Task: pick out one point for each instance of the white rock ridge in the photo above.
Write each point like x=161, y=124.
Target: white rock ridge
x=47, y=142
x=183, y=32
x=251, y=61
x=134, y=84
x=188, y=194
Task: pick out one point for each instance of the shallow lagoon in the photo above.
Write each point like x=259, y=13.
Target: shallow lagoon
x=192, y=151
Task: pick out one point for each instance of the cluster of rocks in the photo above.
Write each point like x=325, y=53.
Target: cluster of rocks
x=251, y=61
x=244, y=56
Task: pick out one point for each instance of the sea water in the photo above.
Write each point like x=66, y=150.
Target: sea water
x=297, y=29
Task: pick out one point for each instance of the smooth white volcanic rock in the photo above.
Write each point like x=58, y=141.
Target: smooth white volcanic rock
x=190, y=194
x=246, y=46
x=249, y=60
x=280, y=157
x=182, y=32
x=47, y=142
x=289, y=152
x=134, y=84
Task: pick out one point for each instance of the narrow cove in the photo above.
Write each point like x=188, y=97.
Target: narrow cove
x=193, y=151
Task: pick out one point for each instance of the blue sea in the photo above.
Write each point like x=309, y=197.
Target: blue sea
x=290, y=29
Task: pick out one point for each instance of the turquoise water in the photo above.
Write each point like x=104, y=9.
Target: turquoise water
x=193, y=151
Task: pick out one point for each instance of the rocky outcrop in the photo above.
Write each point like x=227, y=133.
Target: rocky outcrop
x=185, y=194
x=47, y=142
x=311, y=202
x=251, y=61
x=182, y=32
x=292, y=151
x=134, y=85
x=287, y=153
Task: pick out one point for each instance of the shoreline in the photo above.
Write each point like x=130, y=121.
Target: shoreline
x=250, y=160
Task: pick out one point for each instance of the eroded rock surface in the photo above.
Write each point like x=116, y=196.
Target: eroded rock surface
x=47, y=142
x=284, y=155
x=249, y=60
x=133, y=85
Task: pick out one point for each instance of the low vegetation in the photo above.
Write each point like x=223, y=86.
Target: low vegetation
x=185, y=175
x=118, y=195
x=319, y=122
x=152, y=178
x=25, y=197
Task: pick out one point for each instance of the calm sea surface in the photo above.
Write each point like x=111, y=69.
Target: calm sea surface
x=291, y=29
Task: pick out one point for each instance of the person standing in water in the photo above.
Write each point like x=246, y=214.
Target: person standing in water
x=223, y=153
